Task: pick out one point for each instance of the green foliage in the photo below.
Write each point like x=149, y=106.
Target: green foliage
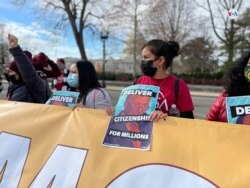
x=116, y=76
x=202, y=78
x=198, y=78
x=206, y=75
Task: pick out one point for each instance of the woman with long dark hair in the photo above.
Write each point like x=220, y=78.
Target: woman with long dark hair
x=83, y=78
x=237, y=83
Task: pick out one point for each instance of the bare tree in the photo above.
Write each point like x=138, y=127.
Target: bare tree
x=223, y=27
x=197, y=55
x=169, y=20
x=130, y=44
x=125, y=18
x=243, y=33
x=4, y=52
x=80, y=14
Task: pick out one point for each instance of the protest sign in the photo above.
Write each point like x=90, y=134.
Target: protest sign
x=130, y=126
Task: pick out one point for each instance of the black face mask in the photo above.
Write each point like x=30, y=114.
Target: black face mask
x=146, y=67
x=14, y=80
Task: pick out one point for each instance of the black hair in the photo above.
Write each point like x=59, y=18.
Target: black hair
x=236, y=83
x=167, y=49
x=88, y=79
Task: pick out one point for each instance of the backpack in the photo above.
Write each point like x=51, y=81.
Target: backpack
x=176, y=88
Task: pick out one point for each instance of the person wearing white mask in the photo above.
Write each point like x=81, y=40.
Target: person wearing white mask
x=83, y=79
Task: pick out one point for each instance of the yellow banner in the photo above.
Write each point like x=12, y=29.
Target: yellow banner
x=55, y=146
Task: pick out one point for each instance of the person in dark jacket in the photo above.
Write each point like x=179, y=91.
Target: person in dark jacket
x=1, y=85
x=237, y=84
x=25, y=85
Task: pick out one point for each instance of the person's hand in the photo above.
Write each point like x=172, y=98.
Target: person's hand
x=156, y=115
x=13, y=41
x=109, y=111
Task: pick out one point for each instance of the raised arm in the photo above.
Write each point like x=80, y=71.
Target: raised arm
x=36, y=85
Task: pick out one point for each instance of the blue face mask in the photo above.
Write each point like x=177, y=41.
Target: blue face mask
x=73, y=80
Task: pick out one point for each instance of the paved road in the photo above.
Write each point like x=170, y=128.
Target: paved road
x=202, y=105
x=201, y=100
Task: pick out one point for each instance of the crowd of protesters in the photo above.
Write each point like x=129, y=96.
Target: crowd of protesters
x=28, y=76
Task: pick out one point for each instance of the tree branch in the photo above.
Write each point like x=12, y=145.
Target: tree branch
x=213, y=24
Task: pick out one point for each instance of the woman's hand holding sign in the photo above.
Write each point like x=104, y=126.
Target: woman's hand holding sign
x=156, y=115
